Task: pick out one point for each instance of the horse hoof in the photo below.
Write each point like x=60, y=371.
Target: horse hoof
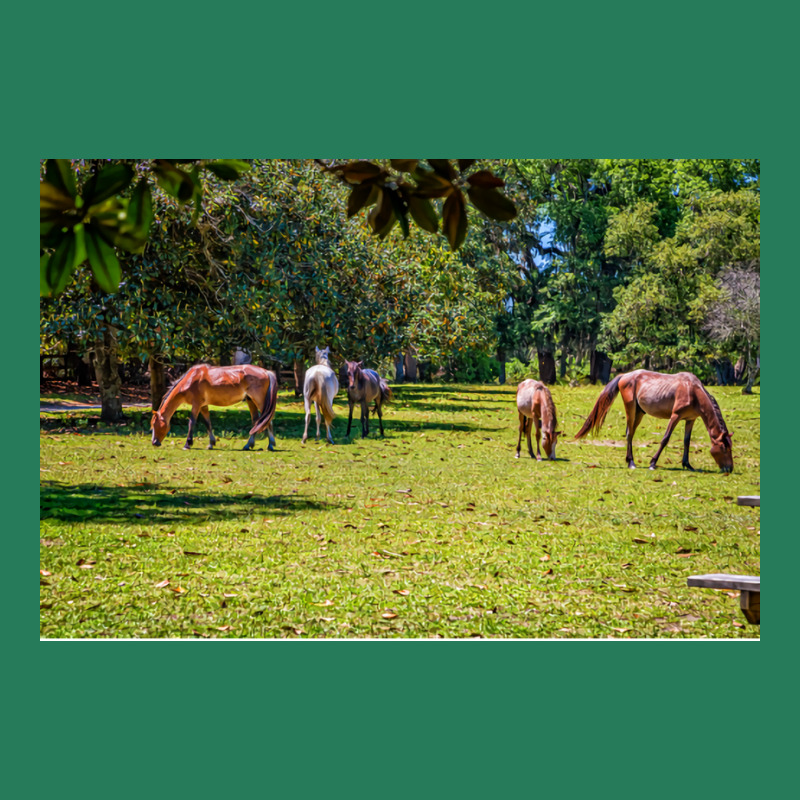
x=517, y=455
x=187, y=447
x=631, y=466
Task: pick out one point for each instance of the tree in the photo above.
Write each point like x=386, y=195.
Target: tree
x=734, y=318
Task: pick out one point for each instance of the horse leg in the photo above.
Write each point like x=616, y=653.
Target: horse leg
x=687, y=435
x=538, y=423
x=528, y=429
x=671, y=425
x=308, y=415
x=364, y=419
x=192, y=423
x=212, y=440
x=521, y=431
x=350, y=418
x=316, y=408
x=633, y=415
x=254, y=412
x=380, y=416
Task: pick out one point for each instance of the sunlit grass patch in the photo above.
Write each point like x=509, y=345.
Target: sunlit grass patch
x=434, y=531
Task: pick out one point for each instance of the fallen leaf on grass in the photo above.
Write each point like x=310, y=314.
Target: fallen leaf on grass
x=162, y=584
x=327, y=602
x=683, y=549
x=545, y=558
x=641, y=541
x=230, y=595
x=192, y=553
x=403, y=592
x=690, y=528
x=45, y=572
x=738, y=624
x=225, y=628
x=178, y=589
x=549, y=572
x=388, y=615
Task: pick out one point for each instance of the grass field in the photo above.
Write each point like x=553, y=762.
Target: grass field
x=435, y=531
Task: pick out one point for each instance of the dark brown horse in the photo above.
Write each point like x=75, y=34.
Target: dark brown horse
x=364, y=386
x=674, y=397
x=536, y=408
x=203, y=386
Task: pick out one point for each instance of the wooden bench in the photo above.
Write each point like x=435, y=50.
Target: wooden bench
x=748, y=585
x=749, y=500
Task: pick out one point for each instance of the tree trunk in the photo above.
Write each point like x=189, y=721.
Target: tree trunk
x=299, y=377
x=562, y=366
x=410, y=367
x=599, y=367
x=399, y=369
x=547, y=366
x=158, y=383
x=501, y=360
x=106, y=368
x=752, y=370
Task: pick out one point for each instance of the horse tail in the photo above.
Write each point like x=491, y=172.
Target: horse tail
x=386, y=392
x=324, y=401
x=270, y=405
x=596, y=419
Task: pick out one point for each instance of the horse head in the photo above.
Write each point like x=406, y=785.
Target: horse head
x=322, y=355
x=549, y=441
x=160, y=428
x=351, y=373
x=722, y=451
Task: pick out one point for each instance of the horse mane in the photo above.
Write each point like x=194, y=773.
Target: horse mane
x=548, y=411
x=174, y=385
x=717, y=411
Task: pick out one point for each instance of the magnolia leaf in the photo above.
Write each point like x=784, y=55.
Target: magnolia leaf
x=228, y=169
x=492, y=203
x=423, y=213
x=175, y=182
x=443, y=167
x=359, y=196
x=454, y=219
x=108, y=182
x=51, y=198
x=360, y=171
x=140, y=212
x=65, y=259
x=103, y=261
x=429, y=184
x=58, y=172
x=484, y=178
x=404, y=164
x=400, y=209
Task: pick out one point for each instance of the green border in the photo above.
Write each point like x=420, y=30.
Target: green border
x=650, y=718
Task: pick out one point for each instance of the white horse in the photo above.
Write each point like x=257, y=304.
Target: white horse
x=320, y=387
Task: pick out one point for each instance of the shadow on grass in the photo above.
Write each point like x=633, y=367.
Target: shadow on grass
x=148, y=504
x=233, y=425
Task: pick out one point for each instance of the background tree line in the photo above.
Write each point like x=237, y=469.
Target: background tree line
x=588, y=263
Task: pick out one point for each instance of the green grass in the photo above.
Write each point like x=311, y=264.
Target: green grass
x=435, y=531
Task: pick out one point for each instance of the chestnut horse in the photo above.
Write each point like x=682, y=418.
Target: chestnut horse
x=320, y=387
x=674, y=397
x=536, y=408
x=204, y=385
x=364, y=386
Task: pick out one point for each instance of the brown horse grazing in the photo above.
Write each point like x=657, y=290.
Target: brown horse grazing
x=673, y=397
x=364, y=386
x=203, y=386
x=536, y=407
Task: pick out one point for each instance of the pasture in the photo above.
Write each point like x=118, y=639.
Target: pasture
x=436, y=531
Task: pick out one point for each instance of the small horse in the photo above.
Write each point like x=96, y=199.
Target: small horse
x=203, y=386
x=320, y=387
x=364, y=386
x=674, y=397
x=536, y=407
